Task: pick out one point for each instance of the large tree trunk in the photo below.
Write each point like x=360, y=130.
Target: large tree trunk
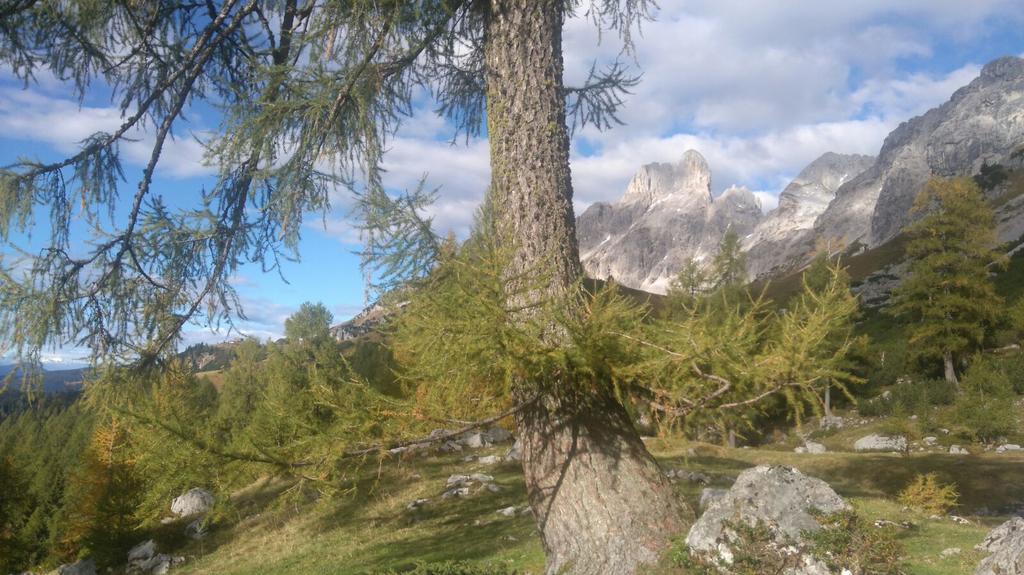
x=600, y=501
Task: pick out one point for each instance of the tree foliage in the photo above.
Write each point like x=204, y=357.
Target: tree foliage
x=948, y=301
x=311, y=94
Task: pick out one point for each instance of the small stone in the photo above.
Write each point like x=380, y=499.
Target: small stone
x=959, y=520
x=193, y=502
x=489, y=460
x=514, y=453
x=875, y=442
x=196, y=530
x=482, y=478
x=950, y=552
x=474, y=440
x=417, y=504
x=815, y=448
x=449, y=447
x=696, y=477
x=455, y=492
x=832, y=422
x=1008, y=447
x=800, y=449
x=508, y=511
x=493, y=488
x=456, y=479
x=957, y=450
x=930, y=440
x=498, y=435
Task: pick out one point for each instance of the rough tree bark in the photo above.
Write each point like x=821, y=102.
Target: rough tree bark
x=601, y=503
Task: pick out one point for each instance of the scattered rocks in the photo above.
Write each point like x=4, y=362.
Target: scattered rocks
x=691, y=476
x=143, y=559
x=876, y=442
x=195, y=501
x=882, y=523
x=957, y=450
x=1009, y=447
x=1005, y=545
x=458, y=485
x=832, y=422
x=778, y=497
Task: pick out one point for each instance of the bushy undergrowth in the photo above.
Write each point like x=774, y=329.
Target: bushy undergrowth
x=929, y=495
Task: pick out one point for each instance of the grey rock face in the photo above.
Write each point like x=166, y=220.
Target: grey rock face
x=193, y=502
x=983, y=121
x=1005, y=544
x=875, y=442
x=777, y=496
x=666, y=216
x=786, y=234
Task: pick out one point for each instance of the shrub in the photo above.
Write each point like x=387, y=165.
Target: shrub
x=986, y=408
x=927, y=494
x=847, y=543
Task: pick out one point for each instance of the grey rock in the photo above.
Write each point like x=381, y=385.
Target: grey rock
x=142, y=552
x=930, y=440
x=876, y=442
x=508, y=511
x=83, y=567
x=709, y=495
x=498, y=435
x=1005, y=546
x=666, y=217
x=457, y=479
x=481, y=478
x=815, y=448
x=780, y=241
x=1008, y=447
x=474, y=440
x=957, y=450
x=192, y=502
x=950, y=552
x=778, y=497
x=413, y=506
x=449, y=447
x=489, y=460
x=800, y=449
x=455, y=492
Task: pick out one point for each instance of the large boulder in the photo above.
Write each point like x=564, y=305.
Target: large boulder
x=876, y=442
x=1005, y=545
x=777, y=497
x=195, y=501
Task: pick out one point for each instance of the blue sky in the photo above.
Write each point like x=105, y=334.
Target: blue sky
x=759, y=88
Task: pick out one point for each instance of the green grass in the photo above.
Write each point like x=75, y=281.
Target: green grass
x=277, y=530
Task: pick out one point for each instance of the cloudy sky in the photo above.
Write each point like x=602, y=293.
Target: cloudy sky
x=759, y=88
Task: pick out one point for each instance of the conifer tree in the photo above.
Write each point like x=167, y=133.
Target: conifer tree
x=948, y=300
x=729, y=266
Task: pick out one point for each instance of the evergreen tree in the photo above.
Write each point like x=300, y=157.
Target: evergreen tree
x=242, y=386
x=729, y=267
x=948, y=300
x=14, y=509
x=691, y=281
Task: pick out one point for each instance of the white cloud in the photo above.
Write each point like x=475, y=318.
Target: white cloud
x=33, y=115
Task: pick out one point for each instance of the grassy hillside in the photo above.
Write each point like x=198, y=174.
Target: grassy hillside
x=373, y=531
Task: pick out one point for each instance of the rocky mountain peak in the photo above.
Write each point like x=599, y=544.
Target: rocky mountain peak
x=688, y=180
x=666, y=216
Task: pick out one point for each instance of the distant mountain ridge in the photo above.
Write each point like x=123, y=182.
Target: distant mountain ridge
x=839, y=201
